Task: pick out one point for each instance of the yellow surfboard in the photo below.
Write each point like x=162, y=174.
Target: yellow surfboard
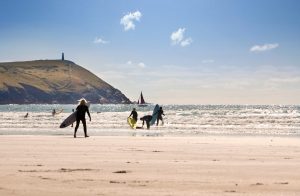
x=131, y=122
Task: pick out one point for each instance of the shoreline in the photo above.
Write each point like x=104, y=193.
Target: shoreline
x=117, y=132
x=122, y=165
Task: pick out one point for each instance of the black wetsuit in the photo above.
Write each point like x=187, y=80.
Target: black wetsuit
x=147, y=118
x=159, y=116
x=134, y=115
x=80, y=116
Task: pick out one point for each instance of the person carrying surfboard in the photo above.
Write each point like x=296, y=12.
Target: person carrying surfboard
x=134, y=114
x=81, y=109
x=72, y=123
x=160, y=112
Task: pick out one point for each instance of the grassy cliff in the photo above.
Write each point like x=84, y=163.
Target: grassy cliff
x=53, y=81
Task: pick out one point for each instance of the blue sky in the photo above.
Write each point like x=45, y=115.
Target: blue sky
x=182, y=52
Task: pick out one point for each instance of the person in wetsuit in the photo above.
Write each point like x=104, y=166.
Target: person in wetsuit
x=134, y=114
x=146, y=118
x=81, y=109
x=159, y=116
x=72, y=123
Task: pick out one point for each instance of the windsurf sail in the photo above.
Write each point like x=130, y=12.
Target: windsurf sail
x=141, y=99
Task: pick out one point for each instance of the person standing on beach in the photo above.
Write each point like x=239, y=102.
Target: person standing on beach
x=72, y=123
x=81, y=109
x=159, y=116
x=134, y=114
x=146, y=118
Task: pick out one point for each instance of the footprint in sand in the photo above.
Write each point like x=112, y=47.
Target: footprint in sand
x=121, y=172
x=116, y=182
x=257, y=184
x=60, y=170
x=45, y=178
x=230, y=191
x=20, y=170
x=38, y=165
x=283, y=183
x=73, y=170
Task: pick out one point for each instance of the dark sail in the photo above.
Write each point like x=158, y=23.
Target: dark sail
x=142, y=99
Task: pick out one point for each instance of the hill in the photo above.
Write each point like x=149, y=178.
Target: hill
x=53, y=81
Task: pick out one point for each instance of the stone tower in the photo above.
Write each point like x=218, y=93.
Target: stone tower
x=62, y=56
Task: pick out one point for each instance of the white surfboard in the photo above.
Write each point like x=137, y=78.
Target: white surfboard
x=70, y=119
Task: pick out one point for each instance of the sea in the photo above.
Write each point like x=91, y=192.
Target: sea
x=179, y=120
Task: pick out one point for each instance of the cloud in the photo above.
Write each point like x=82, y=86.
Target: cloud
x=263, y=48
x=177, y=38
x=142, y=65
x=100, y=41
x=128, y=20
x=186, y=42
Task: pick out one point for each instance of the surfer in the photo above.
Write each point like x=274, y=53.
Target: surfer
x=134, y=114
x=146, y=118
x=72, y=112
x=54, y=112
x=159, y=116
x=26, y=115
x=81, y=109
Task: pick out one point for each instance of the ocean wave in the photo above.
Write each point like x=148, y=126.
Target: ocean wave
x=179, y=119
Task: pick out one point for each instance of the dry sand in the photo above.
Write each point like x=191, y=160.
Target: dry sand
x=212, y=165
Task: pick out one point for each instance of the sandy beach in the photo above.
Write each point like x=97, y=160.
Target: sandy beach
x=206, y=165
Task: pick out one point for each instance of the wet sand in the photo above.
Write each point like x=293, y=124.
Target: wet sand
x=208, y=165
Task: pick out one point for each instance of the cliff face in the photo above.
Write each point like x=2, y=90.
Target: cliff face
x=53, y=81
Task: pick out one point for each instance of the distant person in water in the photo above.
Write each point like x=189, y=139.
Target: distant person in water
x=134, y=114
x=159, y=116
x=53, y=112
x=146, y=118
x=26, y=115
x=81, y=109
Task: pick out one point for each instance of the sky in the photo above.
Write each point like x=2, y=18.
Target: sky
x=175, y=51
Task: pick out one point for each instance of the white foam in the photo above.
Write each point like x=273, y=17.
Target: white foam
x=179, y=120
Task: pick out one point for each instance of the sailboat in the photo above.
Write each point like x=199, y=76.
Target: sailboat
x=141, y=101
